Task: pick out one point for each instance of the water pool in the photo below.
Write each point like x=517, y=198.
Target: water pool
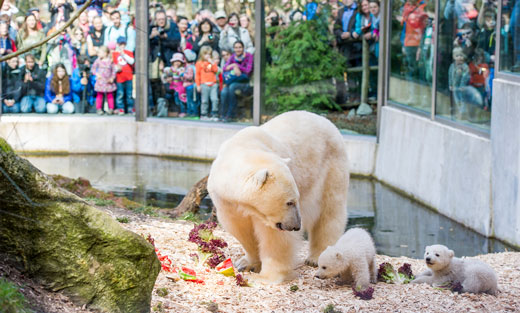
x=399, y=225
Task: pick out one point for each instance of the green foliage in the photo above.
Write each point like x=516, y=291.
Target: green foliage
x=146, y=210
x=4, y=146
x=330, y=309
x=11, y=300
x=162, y=292
x=190, y=216
x=302, y=69
x=101, y=202
x=294, y=288
x=123, y=220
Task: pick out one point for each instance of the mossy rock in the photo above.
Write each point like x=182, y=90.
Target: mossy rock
x=70, y=246
x=4, y=146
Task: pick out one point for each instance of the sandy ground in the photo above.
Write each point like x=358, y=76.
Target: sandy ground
x=221, y=294
x=313, y=295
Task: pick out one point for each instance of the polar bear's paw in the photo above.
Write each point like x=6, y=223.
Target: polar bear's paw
x=245, y=265
x=313, y=262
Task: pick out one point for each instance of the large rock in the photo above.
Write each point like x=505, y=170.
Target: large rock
x=70, y=246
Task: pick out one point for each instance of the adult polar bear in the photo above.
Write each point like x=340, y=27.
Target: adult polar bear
x=267, y=182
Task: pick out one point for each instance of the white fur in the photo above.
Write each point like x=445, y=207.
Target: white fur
x=297, y=157
x=474, y=275
x=352, y=257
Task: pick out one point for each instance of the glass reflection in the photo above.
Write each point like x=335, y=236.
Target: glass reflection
x=412, y=48
x=510, y=36
x=466, y=55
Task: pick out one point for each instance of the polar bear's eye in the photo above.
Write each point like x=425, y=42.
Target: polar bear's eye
x=436, y=254
x=290, y=203
x=324, y=267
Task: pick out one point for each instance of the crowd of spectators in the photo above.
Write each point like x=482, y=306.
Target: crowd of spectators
x=197, y=67
x=77, y=70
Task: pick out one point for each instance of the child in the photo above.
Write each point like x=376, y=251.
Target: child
x=124, y=60
x=220, y=79
x=7, y=45
x=206, y=70
x=189, y=84
x=486, y=35
x=105, y=72
x=459, y=77
x=479, y=72
x=58, y=91
x=175, y=75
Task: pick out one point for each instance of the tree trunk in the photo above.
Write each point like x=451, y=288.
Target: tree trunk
x=191, y=202
x=70, y=246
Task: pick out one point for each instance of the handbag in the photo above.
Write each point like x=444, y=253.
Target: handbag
x=154, y=69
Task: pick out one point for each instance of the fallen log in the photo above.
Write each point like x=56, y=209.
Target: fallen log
x=191, y=202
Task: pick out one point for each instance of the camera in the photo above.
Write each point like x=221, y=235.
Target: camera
x=161, y=30
x=84, y=68
x=275, y=21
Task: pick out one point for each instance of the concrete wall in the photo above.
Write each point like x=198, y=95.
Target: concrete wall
x=505, y=149
x=445, y=168
x=162, y=137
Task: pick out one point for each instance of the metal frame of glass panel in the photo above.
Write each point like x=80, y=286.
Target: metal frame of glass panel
x=498, y=73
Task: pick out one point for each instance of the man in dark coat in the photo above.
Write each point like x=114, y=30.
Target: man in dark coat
x=33, y=87
x=11, y=87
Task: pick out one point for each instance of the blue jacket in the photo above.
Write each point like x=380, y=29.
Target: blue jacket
x=77, y=87
x=310, y=10
x=50, y=95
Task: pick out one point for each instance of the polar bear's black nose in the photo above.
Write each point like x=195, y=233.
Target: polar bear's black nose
x=428, y=259
x=296, y=228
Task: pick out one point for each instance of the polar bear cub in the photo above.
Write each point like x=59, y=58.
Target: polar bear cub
x=474, y=275
x=352, y=257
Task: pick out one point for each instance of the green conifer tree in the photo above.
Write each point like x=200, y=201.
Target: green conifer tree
x=300, y=76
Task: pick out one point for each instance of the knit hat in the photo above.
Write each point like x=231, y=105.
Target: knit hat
x=121, y=39
x=177, y=57
x=190, y=55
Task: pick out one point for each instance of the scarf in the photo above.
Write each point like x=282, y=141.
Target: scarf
x=347, y=15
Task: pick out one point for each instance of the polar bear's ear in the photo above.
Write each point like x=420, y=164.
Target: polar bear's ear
x=286, y=160
x=451, y=253
x=339, y=256
x=260, y=177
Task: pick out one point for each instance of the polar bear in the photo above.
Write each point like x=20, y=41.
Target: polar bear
x=271, y=183
x=474, y=275
x=352, y=257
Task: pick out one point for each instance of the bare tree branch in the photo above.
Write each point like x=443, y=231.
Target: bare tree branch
x=56, y=33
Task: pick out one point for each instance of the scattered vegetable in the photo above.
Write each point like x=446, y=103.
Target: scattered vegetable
x=363, y=294
x=210, y=247
x=389, y=275
x=189, y=275
x=226, y=268
x=241, y=281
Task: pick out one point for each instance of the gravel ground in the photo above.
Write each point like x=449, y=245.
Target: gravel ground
x=313, y=295
x=221, y=294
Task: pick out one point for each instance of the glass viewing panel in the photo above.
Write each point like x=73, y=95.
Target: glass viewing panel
x=314, y=61
x=466, y=57
x=201, y=60
x=510, y=37
x=64, y=75
x=412, y=53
